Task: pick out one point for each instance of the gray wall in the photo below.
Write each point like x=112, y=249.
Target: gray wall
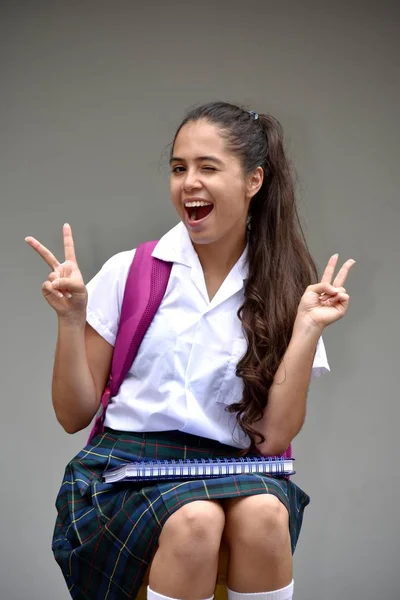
x=90, y=95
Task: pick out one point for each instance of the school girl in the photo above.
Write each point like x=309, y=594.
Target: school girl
x=224, y=369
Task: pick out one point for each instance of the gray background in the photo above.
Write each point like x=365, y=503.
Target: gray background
x=90, y=95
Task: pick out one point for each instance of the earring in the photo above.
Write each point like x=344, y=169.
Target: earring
x=248, y=222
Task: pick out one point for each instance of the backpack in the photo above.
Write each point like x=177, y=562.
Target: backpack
x=144, y=290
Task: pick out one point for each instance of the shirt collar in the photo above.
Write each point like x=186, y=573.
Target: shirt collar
x=175, y=246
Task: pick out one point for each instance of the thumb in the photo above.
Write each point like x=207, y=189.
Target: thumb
x=324, y=287
x=67, y=283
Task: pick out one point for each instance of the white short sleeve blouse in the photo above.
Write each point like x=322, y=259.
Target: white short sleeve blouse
x=183, y=377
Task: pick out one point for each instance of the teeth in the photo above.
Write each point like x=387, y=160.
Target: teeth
x=196, y=204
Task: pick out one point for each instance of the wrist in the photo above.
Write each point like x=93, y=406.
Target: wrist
x=304, y=325
x=72, y=322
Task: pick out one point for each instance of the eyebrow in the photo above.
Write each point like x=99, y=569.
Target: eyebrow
x=199, y=159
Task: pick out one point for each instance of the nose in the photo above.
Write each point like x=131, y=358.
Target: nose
x=191, y=180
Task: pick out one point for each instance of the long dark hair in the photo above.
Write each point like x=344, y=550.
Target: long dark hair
x=280, y=266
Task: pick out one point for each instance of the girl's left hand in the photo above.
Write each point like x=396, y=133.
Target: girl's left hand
x=327, y=301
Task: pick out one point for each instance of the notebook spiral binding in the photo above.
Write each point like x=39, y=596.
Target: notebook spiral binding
x=199, y=468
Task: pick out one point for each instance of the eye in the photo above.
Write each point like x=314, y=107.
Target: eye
x=209, y=169
x=178, y=169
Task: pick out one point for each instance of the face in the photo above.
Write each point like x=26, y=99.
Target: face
x=208, y=187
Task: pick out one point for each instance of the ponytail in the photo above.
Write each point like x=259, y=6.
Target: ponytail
x=280, y=269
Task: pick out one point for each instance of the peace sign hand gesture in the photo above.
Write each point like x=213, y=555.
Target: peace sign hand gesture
x=64, y=288
x=326, y=302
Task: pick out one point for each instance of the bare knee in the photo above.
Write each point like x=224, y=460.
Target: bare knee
x=194, y=531
x=258, y=522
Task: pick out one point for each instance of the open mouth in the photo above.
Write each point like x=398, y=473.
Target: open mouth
x=197, y=211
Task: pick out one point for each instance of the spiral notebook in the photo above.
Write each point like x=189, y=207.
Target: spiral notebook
x=199, y=469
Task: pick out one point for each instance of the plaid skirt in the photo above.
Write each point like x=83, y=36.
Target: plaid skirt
x=106, y=534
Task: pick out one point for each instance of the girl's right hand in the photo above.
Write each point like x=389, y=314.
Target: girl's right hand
x=64, y=288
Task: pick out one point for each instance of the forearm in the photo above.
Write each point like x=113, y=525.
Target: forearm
x=286, y=407
x=74, y=395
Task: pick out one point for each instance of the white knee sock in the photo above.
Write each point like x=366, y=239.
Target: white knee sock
x=155, y=596
x=285, y=593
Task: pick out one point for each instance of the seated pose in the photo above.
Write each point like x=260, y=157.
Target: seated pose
x=222, y=371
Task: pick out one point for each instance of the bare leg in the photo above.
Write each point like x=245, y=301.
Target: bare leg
x=186, y=562
x=257, y=532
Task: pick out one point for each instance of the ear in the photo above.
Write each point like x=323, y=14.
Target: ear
x=254, y=182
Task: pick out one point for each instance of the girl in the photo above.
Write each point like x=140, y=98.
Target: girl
x=224, y=368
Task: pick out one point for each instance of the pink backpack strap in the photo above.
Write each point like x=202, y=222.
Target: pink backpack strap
x=288, y=452
x=144, y=290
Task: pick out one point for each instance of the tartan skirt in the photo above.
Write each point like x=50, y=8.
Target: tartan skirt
x=106, y=534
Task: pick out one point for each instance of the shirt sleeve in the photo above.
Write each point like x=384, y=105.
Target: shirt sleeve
x=320, y=365
x=105, y=295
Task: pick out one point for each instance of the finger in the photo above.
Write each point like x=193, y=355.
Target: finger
x=330, y=269
x=69, y=247
x=48, y=290
x=65, y=283
x=47, y=256
x=341, y=298
x=344, y=271
x=58, y=273
x=340, y=289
